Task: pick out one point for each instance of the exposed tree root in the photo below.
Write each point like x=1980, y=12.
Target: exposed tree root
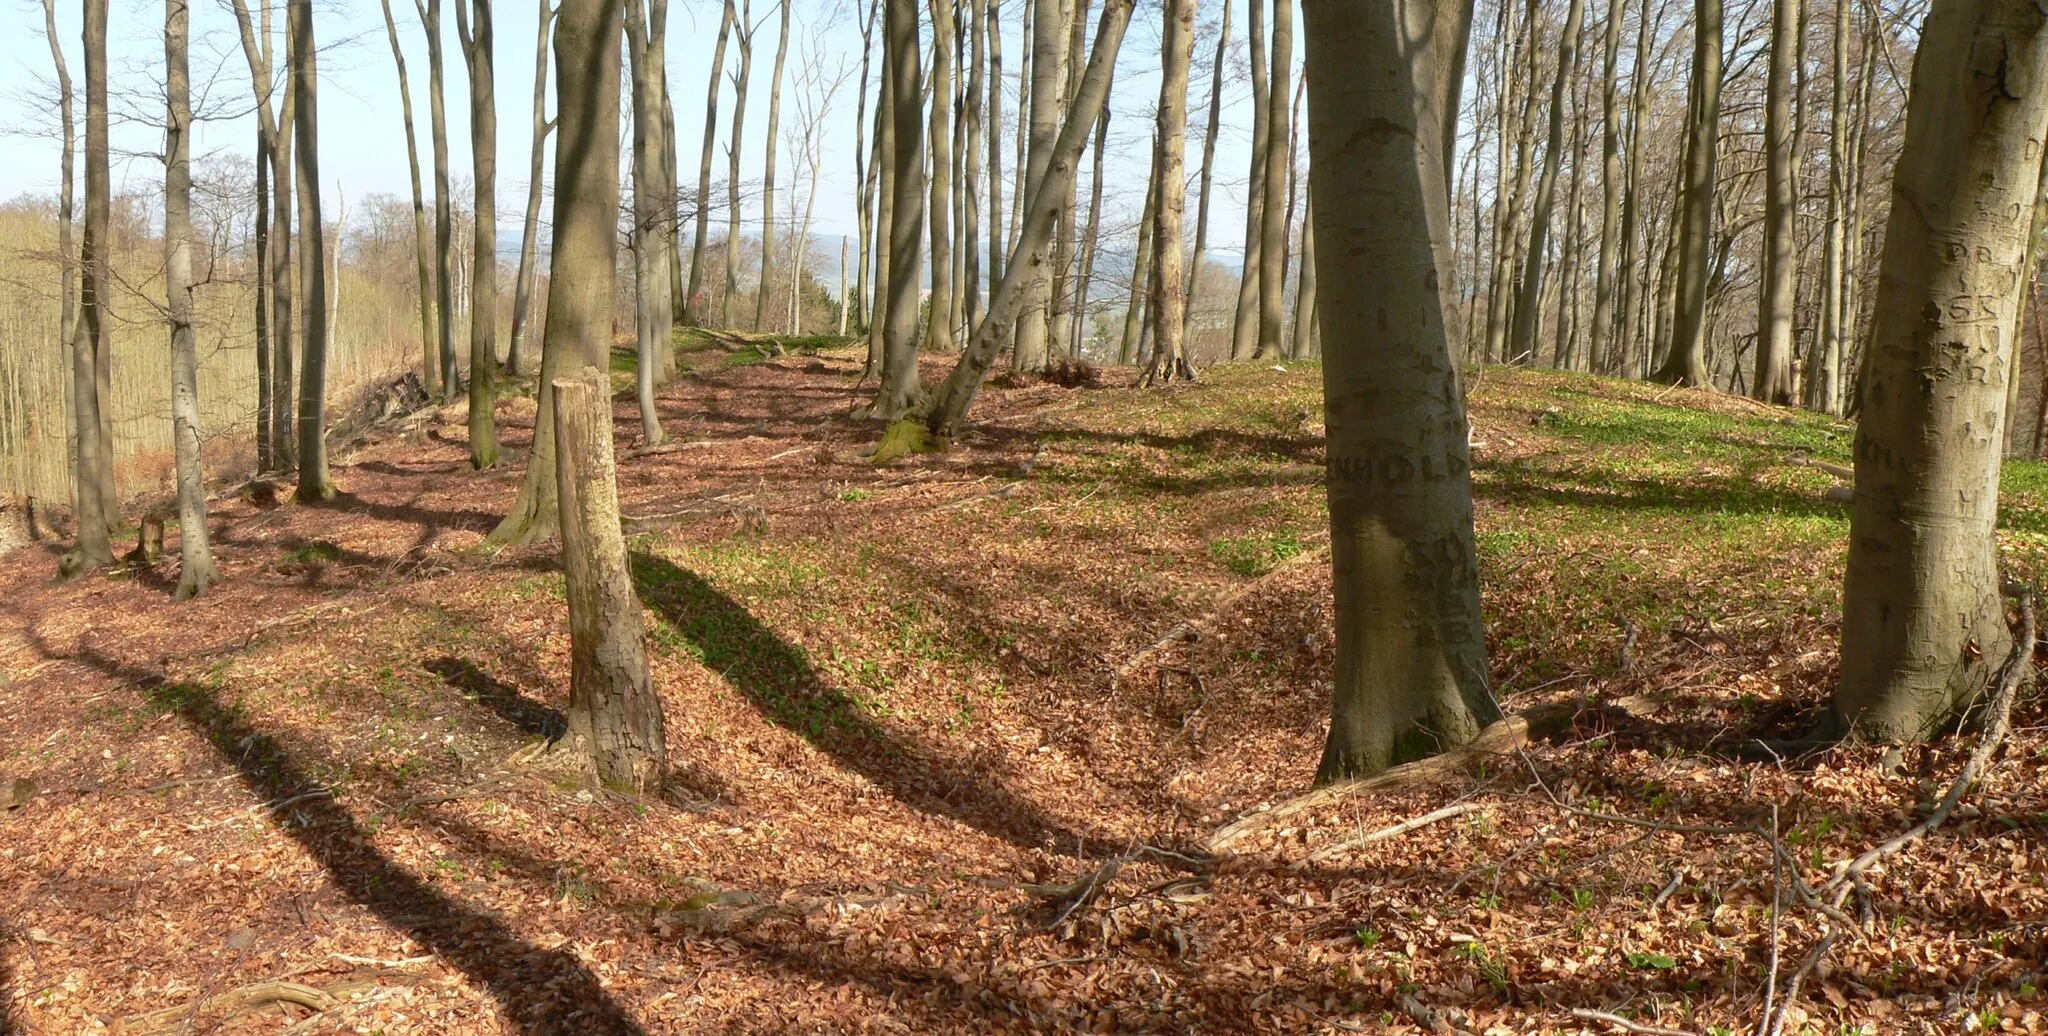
x=239, y=1001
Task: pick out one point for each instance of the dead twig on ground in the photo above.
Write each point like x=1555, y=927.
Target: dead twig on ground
x=1587, y=1014
x=1393, y=831
x=238, y=1001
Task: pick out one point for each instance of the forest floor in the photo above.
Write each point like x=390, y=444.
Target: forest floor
x=907, y=705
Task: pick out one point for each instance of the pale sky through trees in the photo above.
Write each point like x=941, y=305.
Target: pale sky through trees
x=363, y=146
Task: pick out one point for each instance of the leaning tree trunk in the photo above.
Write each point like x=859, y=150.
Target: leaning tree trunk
x=1048, y=42
x=476, y=35
x=744, y=30
x=1923, y=619
x=1205, y=176
x=764, y=292
x=1169, y=291
x=939, y=322
x=614, y=715
x=900, y=392
x=1034, y=230
x=1685, y=362
x=1273, y=210
x=524, y=281
x=90, y=341
x=1528, y=311
x=693, y=298
x=1091, y=238
x=1774, y=343
x=1244, y=327
x=651, y=315
x=195, y=548
x=1411, y=675
x=314, y=483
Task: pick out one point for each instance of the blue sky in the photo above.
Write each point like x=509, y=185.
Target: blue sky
x=363, y=144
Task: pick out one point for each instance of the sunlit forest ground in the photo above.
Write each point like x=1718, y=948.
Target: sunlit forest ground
x=951, y=737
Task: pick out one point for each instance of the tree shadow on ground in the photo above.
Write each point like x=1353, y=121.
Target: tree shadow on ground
x=531, y=717
x=541, y=991
x=779, y=679
x=1714, y=494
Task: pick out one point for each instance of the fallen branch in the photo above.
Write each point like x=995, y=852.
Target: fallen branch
x=1395, y=831
x=1502, y=737
x=1003, y=490
x=239, y=1001
x=671, y=447
x=1589, y=1015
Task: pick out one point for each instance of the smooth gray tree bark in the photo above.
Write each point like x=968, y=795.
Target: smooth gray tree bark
x=93, y=462
x=196, y=570
x=476, y=33
x=1923, y=616
x=526, y=280
x=314, y=483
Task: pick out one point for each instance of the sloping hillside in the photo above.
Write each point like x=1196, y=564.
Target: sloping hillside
x=952, y=735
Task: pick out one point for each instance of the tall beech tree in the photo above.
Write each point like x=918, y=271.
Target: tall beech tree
x=765, y=292
x=1273, y=208
x=524, y=282
x=475, y=32
x=1923, y=616
x=444, y=217
x=900, y=392
x=1034, y=229
x=274, y=241
x=314, y=483
x=1206, y=176
x=614, y=715
x=430, y=370
x=1244, y=327
x=653, y=309
x=67, y=262
x=1411, y=674
x=1169, y=291
x=91, y=344
x=1773, y=383
x=1041, y=116
x=938, y=335
x=1529, y=304
x=693, y=296
x=1685, y=357
x=743, y=30
x=196, y=570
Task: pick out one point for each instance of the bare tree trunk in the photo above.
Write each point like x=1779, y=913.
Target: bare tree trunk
x=963, y=245
x=1528, y=306
x=882, y=168
x=1279, y=146
x=67, y=263
x=1305, y=286
x=195, y=548
x=766, y=291
x=1411, y=668
x=524, y=282
x=1130, y=349
x=95, y=469
x=900, y=391
x=1923, y=623
x=1519, y=122
x=1631, y=199
x=1048, y=43
x=1091, y=236
x=1685, y=363
x=744, y=30
x=1847, y=392
x=864, y=195
x=939, y=324
x=483, y=278
x=1603, y=325
x=998, y=236
x=97, y=513
x=1244, y=328
x=614, y=715
x=430, y=371
x=693, y=298
x=444, y=219
x=1169, y=299
x=1565, y=354
x=273, y=245
x=971, y=164
x=1034, y=230
x=1059, y=341
x=1780, y=288
x=1206, y=175
x=314, y=483
x=646, y=33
